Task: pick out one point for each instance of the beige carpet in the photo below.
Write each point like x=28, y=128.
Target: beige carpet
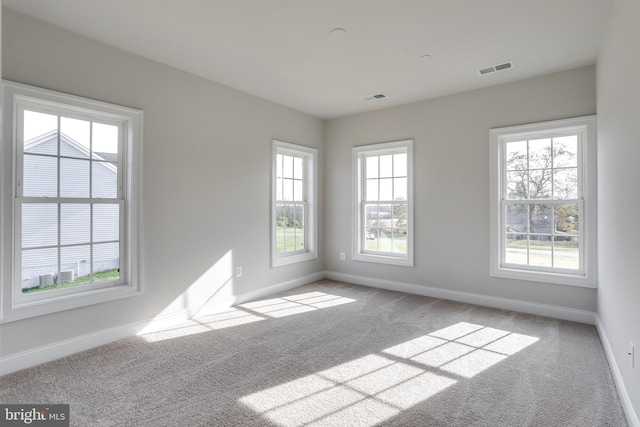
x=338, y=355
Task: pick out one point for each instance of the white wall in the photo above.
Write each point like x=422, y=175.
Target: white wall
x=206, y=182
x=618, y=83
x=452, y=183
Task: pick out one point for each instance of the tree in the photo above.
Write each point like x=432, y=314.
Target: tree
x=545, y=169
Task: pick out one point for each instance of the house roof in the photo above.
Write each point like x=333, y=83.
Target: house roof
x=106, y=159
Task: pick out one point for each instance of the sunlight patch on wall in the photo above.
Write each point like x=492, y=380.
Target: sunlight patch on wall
x=374, y=388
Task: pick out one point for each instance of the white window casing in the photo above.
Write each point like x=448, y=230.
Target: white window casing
x=543, y=202
x=383, y=203
x=77, y=213
x=293, y=203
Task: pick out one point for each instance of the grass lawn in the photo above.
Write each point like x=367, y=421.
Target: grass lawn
x=398, y=245
x=97, y=277
x=289, y=239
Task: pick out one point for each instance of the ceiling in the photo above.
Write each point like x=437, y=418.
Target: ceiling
x=282, y=50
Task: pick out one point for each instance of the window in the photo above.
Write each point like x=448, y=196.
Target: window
x=543, y=202
x=70, y=200
x=383, y=214
x=294, y=203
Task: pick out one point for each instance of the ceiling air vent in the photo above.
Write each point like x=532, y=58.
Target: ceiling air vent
x=494, y=68
x=374, y=97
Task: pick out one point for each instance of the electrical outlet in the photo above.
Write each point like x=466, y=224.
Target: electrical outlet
x=342, y=256
x=632, y=354
x=238, y=271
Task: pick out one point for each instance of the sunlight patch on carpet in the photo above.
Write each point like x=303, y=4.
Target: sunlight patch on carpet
x=295, y=304
x=374, y=388
x=220, y=320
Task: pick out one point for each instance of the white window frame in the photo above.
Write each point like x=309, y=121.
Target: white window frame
x=585, y=128
x=310, y=174
x=16, y=305
x=359, y=153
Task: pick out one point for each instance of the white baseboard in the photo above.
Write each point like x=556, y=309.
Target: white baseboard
x=629, y=411
x=556, y=312
x=57, y=350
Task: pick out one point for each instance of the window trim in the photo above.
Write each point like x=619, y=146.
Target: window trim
x=358, y=154
x=16, y=307
x=586, y=126
x=310, y=156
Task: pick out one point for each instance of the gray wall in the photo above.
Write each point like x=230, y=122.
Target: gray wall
x=452, y=182
x=206, y=183
x=618, y=80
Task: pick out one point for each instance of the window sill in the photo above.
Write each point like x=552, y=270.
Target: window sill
x=544, y=277
x=28, y=309
x=382, y=259
x=293, y=259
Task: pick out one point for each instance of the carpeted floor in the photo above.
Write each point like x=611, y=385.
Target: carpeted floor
x=338, y=355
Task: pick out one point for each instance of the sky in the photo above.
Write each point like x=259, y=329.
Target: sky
x=105, y=137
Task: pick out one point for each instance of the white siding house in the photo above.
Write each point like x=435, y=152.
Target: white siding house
x=69, y=222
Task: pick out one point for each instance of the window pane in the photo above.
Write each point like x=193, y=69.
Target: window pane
x=287, y=166
x=400, y=189
x=516, y=155
x=400, y=241
x=75, y=137
x=372, y=167
x=40, y=176
x=75, y=223
x=540, y=184
x=517, y=218
x=297, y=191
x=400, y=164
x=279, y=165
x=39, y=267
x=105, y=180
x=287, y=187
x=280, y=238
x=74, y=264
x=386, y=166
x=371, y=215
x=105, y=142
x=565, y=151
x=40, y=133
x=516, y=249
x=386, y=189
x=541, y=219
x=371, y=190
x=298, y=215
x=565, y=184
x=290, y=239
x=106, y=258
x=566, y=252
x=371, y=239
x=385, y=242
x=74, y=178
x=278, y=188
x=106, y=222
x=517, y=185
x=540, y=251
x=298, y=163
x=567, y=219
x=385, y=215
x=540, y=153
x=400, y=215
x=39, y=225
